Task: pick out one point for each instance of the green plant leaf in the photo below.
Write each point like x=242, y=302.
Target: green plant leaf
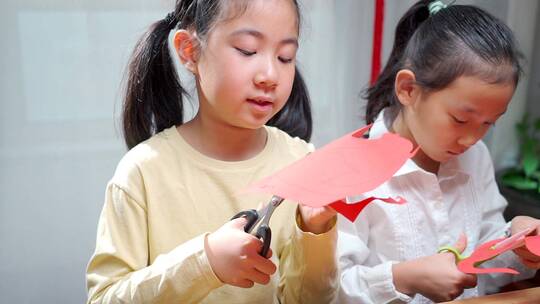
x=530, y=163
x=536, y=129
x=519, y=182
x=529, y=146
x=523, y=125
x=536, y=175
x=529, y=157
x=537, y=124
x=522, y=128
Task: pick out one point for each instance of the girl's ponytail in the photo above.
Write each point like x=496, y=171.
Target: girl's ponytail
x=381, y=94
x=153, y=98
x=295, y=117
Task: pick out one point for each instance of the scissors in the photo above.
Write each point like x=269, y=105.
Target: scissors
x=262, y=217
x=488, y=251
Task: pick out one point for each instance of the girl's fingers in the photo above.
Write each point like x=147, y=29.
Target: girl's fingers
x=238, y=223
x=259, y=246
x=470, y=281
x=269, y=254
x=264, y=265
x=258, y=277
x=461, y=243
x=525, y=254
x=244, y=283
x=531, y=264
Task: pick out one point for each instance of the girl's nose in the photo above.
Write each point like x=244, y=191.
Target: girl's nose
x=466, y=141
x=471, y=137
x=267, y=77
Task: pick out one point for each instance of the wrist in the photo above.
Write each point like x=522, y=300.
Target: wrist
x=402, y=274
x=308, y=227
x=315, y=227
x=210, y=256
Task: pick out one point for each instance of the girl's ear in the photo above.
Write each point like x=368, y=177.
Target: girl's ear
x=407, y=91
x=185, y=45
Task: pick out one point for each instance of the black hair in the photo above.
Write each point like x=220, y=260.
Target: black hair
x=459, y=40
x=153, y=98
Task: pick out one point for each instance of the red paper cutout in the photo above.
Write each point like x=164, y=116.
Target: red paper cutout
x=533, y=244
x=481, y=254
x=348, y=166
x=491, y=249
x=351, y=211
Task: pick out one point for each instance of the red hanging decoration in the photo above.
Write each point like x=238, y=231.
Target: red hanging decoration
x=377, y=41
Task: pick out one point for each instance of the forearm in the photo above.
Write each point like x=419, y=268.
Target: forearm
x=308, y=267
x=405, y=277
x=182, y=275
x=363, y=284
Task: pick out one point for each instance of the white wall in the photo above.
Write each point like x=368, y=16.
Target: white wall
x=522, y=17
x=533, y=96
x=62, y=63
x=335, y=57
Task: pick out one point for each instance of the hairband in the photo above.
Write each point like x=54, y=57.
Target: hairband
x=435, y=6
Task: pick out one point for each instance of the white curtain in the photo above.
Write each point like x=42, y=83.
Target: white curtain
x=335, y=58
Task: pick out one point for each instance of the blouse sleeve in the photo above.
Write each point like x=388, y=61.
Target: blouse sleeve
x=360, y=283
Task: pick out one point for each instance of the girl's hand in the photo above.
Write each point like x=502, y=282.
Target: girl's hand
x=435, y=277
x=234, y=256
x=520, y=223
x=316, y=220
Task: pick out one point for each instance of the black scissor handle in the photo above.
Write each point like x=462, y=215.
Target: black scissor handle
x=251, y=215
x=264, y=233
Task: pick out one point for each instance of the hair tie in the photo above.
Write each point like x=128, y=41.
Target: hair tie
x=435, y=6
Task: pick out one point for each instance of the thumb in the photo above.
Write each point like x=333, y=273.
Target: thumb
x=461, y=243
x=238, y=223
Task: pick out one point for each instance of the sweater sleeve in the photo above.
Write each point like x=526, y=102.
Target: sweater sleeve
x=120, y=272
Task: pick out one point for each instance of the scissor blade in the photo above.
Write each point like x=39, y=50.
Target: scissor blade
x=514, y=238
x=276, y=200
x=267, y=212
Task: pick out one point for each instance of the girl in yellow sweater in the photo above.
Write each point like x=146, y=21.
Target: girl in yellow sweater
x=164, y=234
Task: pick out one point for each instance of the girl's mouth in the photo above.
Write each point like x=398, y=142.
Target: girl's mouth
x=454, y=153
x=261, y=105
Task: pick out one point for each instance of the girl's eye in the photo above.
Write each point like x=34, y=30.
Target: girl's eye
x=459, y=121
x=285, y=60
x=245, y=52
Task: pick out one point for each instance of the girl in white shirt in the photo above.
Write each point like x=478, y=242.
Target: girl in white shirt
x=450, y=76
